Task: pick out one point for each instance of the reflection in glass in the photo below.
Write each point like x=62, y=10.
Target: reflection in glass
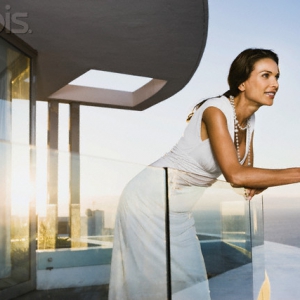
x=14, y=94
x=236, y=229
x=15, y=180
x=14, y=174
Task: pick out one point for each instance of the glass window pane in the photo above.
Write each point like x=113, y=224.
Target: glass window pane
x=14, y=94
x=14, y=214
x=15, y=166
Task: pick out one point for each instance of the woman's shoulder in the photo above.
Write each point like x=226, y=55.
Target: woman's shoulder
x=220, y=102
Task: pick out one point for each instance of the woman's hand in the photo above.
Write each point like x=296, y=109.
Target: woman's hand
x=251, y=192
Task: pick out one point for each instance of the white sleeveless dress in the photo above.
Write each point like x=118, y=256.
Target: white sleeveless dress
x=138, y=267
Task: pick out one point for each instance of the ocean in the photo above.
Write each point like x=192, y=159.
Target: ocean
x=282, y=220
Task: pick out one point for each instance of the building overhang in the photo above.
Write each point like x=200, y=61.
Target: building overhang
x=163, y=40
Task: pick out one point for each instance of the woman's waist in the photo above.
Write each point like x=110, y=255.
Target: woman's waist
x=191, y=171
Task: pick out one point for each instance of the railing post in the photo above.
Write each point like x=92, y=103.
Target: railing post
x=168, y=245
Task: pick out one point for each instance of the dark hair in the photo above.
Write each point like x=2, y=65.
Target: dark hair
x=240, y=71
x=243, y=65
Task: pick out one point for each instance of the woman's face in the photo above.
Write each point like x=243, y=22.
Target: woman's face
x=262, y=85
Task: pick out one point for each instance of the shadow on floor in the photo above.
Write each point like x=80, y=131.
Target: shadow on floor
x=80, y=293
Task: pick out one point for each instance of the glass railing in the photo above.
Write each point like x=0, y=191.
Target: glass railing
x=174, y=235
x=227, y=260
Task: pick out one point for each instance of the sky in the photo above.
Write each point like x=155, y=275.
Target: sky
x=234, y=25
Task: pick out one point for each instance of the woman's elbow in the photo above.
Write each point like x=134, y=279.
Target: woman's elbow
x=234, y=178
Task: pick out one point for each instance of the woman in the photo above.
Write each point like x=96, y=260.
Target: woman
x=218, y=140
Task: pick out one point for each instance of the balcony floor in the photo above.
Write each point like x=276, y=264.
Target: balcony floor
x=283, y=268
x=80, y=293
x=282, y=265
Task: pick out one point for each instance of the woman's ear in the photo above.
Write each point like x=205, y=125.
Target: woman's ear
x=242, y=87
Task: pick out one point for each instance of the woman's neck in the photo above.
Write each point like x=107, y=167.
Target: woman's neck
x=244, y=108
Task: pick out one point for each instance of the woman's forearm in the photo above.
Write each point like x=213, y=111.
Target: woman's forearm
x=262, y=178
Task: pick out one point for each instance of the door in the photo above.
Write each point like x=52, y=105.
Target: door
x=17, y=216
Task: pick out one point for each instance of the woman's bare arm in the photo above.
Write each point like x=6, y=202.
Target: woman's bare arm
x=225, y=154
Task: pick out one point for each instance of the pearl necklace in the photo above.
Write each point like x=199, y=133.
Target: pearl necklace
x=238, y=127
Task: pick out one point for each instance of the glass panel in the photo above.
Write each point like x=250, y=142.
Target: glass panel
x=188, y=270
x=14, y=94
x=20, y=106
x=227, y=228
x=89, y=206
x=15, y=167
x=14, y=220
x=5, y=91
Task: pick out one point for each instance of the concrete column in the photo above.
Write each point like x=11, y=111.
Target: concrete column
x=53, y=111
x=74, y=147
x=48, y=228
x=74, y=132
